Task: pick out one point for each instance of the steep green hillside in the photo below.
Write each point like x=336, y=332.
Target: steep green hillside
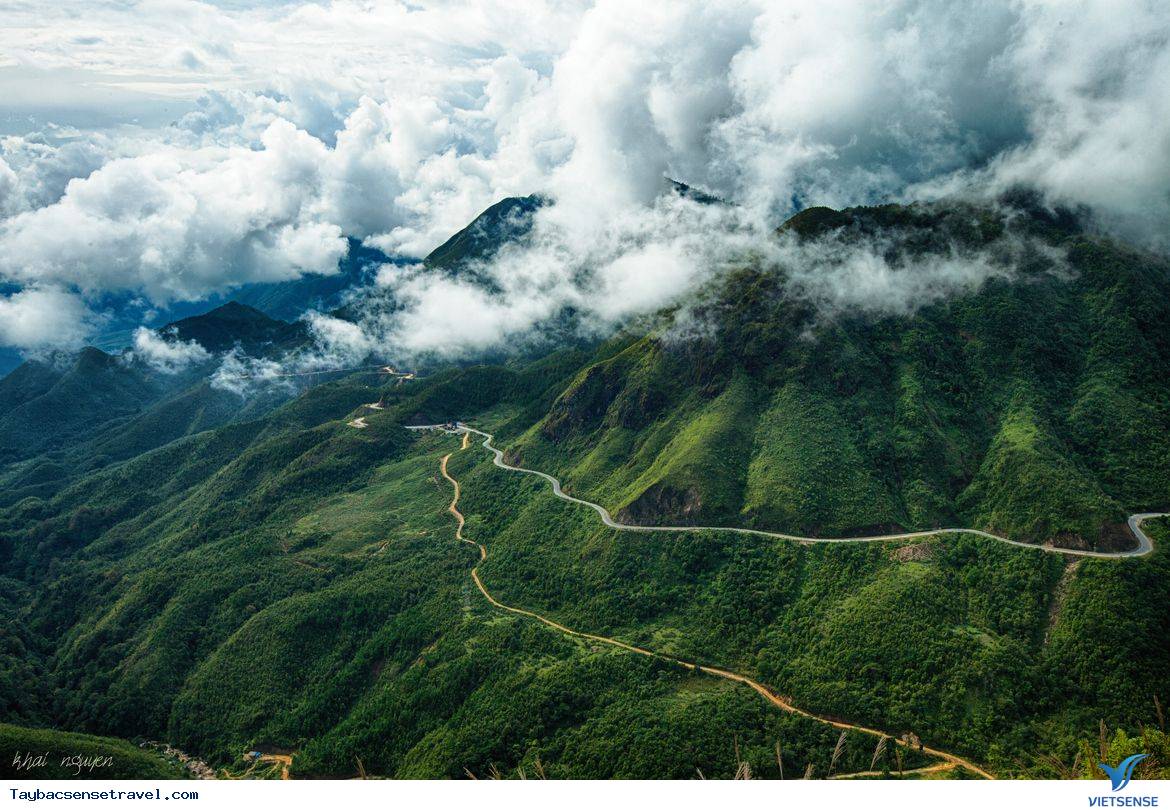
x=46, y=408
x=1035, y=408
x=806, y=467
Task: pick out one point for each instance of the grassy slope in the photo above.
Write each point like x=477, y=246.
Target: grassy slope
x=806, y=468
x=126, y=760
x=339, y=620
x=1029, y=483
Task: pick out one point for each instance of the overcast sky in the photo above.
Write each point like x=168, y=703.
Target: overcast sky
x=172, y=149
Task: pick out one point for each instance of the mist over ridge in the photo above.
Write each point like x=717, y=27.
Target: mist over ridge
x=265, y=172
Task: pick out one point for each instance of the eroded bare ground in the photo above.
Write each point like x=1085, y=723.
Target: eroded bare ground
x=1056, y=606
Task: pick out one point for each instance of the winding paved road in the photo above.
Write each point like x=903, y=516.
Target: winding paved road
x=1144, y=544
x=402, y=376
x=776, y=700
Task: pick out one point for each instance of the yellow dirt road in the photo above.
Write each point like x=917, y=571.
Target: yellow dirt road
x=285, y=761
x=943, y=766
x=763, y=691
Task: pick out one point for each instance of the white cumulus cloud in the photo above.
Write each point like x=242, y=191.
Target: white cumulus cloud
x=166, y=353
x=291, y=126
x=43, y=317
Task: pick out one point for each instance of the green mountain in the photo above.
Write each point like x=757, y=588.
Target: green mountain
x=46, y=407
x=235, y=324
x=1034, y=408
x=283, y=579
x=71, y=415
x=507, y=221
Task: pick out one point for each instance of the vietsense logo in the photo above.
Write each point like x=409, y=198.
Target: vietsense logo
x=1119, y=777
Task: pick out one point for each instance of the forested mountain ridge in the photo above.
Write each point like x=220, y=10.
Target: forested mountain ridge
x=68, y=414
x=1035, y=407
x=238, y=325
x=287, y=580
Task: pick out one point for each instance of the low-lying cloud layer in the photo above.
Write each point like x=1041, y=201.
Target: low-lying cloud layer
x=165, y=353
x=241, y=374
x=297, y=125
x=605, y=271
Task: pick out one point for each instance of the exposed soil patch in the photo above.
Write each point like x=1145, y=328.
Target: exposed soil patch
x=1058, y=596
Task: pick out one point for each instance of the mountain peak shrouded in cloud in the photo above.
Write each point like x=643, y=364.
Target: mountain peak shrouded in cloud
x=401, y=124
x=508, y=220
x=164, y=353
x=236, y=326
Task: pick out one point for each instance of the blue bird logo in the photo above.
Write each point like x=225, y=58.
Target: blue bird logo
x=1119, y=776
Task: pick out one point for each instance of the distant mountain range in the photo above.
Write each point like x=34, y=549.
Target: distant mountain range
x=74, y=413
x=283, y=300
x=74, y=403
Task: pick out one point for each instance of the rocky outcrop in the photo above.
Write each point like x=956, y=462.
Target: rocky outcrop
x=662, y=503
